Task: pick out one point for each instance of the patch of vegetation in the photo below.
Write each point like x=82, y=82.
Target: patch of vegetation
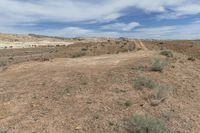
x=162, y=91
x=159, y=93
x=142, y=82
x=119, y=90
x=158, y=65
x=2, y=64
x=1, y=131
x=42, y=59
x=167, y=53
x=140, y=68
x=128, y=103
x=84, y=49
x=146, y=124
x=77, y=54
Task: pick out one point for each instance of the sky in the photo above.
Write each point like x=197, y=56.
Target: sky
x=145, y=19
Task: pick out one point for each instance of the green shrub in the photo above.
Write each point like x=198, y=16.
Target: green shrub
x=167, y=53
x=142, y=82
x=146, y=124
x=162, y=91
x=158, y=65
x=1, y=131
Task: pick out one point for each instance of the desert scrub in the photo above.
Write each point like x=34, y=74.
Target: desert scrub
x=159, y=91
x=77, y=54
x=142, y=82
x=167, y=53
x=140, y=68
x=158, y=65
x=2, y=63
x=162, y=91
x=128, y=103
x=1, y=131
x=146, y=124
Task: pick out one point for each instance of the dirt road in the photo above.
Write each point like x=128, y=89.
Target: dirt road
x=139, y=44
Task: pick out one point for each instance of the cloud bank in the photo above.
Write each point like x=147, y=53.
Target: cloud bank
x=26, y=16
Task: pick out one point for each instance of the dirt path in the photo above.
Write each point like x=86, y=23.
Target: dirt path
x=139, y=44
x=96, y=61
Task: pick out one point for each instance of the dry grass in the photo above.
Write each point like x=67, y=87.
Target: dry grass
x=146, y=124
x=1, y=131
x=142, y=82
x=167, y=53
x=158, y=65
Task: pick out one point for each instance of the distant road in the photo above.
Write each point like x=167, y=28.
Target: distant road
x=139, y=44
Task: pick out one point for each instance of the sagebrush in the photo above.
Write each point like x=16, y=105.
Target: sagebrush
x=167, y=53
x=146, y=124
x=142, y=82
x=158, y=65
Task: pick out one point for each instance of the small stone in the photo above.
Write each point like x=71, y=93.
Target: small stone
x=68, y=94
x=141, y=104
x=78, y=128
x=155, y=102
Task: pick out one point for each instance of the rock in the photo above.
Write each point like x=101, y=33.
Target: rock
x=68, y=94
x=155, y=102
x=78, y=128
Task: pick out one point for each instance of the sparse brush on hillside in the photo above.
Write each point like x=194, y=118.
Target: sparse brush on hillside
x=158, y=65
x=146, y=124
x=1, y=131
x=77, y=54
x=167, y=53
x=160, y=91
x=142, y=82
x=2, y=64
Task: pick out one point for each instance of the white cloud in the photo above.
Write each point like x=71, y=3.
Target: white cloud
x=121, y=26
x=187, y=31
x=17, y=11
x=31, y=12
x=75, y=32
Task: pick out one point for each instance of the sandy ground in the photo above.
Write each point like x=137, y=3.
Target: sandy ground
x=88, y=93
x=83, y=95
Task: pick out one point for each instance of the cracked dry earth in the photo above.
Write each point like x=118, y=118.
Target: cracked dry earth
x=87, y=94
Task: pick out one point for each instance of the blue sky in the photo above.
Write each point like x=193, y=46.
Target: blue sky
x=152, y=19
